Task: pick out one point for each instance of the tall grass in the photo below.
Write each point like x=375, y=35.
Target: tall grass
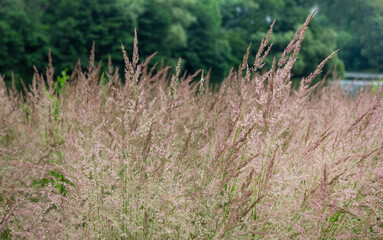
x=166, y=157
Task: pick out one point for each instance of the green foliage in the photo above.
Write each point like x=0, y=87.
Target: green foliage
x=162, y=26
x=72, y=32
x=56, y=179
x=252, y=26
x=61, y=81
x=207, y=34
x=360, y=25
x=207, y=47
x=23, y=40
x=5, y=234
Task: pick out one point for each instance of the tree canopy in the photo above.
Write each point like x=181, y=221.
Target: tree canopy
x=359, y=24
x=206, y=34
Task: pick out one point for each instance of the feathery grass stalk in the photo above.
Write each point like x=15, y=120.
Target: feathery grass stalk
x=164, y=156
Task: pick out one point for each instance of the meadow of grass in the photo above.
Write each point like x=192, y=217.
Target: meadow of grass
x=164, y=156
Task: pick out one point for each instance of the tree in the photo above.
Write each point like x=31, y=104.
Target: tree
x=72, y=32
x=207, y=47
x=248, y=21
x=207, y=34
x=23, y=42
x=162, y=27
x=360, y=26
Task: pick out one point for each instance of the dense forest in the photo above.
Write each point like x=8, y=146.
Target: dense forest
x=206, y=34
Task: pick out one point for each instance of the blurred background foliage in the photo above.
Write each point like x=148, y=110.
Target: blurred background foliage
x=207, y=34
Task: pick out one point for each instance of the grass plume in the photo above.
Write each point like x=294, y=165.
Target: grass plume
x=160, y=156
